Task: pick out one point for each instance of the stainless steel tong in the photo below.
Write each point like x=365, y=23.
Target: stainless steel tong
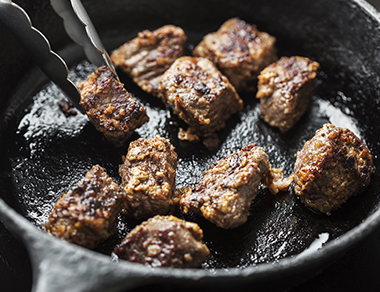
x=79, y=27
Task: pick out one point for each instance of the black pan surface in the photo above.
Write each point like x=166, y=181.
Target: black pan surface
x=43, y=153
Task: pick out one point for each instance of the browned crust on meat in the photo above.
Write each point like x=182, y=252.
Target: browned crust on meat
x=150, y=54
x=332, y=167
x=228, y=188
x=148, y=178
x=87, y=214
x=240, y=51
x=285, y=89
x=165, y=241
x=196, y=90
x=112, y=110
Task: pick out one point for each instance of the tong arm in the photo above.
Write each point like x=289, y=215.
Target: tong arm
x=79, y=27
x=37, y=45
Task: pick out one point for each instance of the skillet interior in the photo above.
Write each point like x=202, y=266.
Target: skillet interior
x=53, y=152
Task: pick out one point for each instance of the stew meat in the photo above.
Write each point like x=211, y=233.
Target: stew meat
x=148, y=178
x=240, y=51
x=112, y=110
x=87, y=214
x=228, y=188
x=196, y=90
x=165, y=241
x=150, y=54
x=331, y=167
x=285, y=89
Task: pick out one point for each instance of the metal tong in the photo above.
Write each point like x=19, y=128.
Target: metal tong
x=78, y=26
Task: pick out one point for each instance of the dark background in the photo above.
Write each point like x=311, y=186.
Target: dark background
x=357, y=270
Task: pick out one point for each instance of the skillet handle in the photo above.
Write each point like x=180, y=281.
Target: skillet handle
x=64, y=267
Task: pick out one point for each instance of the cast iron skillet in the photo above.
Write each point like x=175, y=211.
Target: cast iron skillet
x=43, y=153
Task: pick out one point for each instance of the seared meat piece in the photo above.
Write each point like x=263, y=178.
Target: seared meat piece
x=148, y=178
x=165, y=241
x=332, y=167
x=199, y=94
x=112, y=110
x=87, y=214
x=285, y=91
x=228, y=188
x=150, y=54
x=240, y=51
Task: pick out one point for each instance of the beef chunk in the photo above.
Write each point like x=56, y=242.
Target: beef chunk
x=199, y=94
x=112, y=110
x=148, y=178
x=332, y=167
x=165, y=241
x=150, y=54
x=87, y=214
x=228, y=188
x=240, y=51
x=285, y=91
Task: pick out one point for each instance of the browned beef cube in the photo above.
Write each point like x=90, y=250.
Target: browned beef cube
x=332, y=167
x=228, y=188
x=165, y=241
x=285, y=91
x=87, y=214
x=199, y=94
x=150, y=54
x=148, y=178
x=240, y=51
x=112, y=110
